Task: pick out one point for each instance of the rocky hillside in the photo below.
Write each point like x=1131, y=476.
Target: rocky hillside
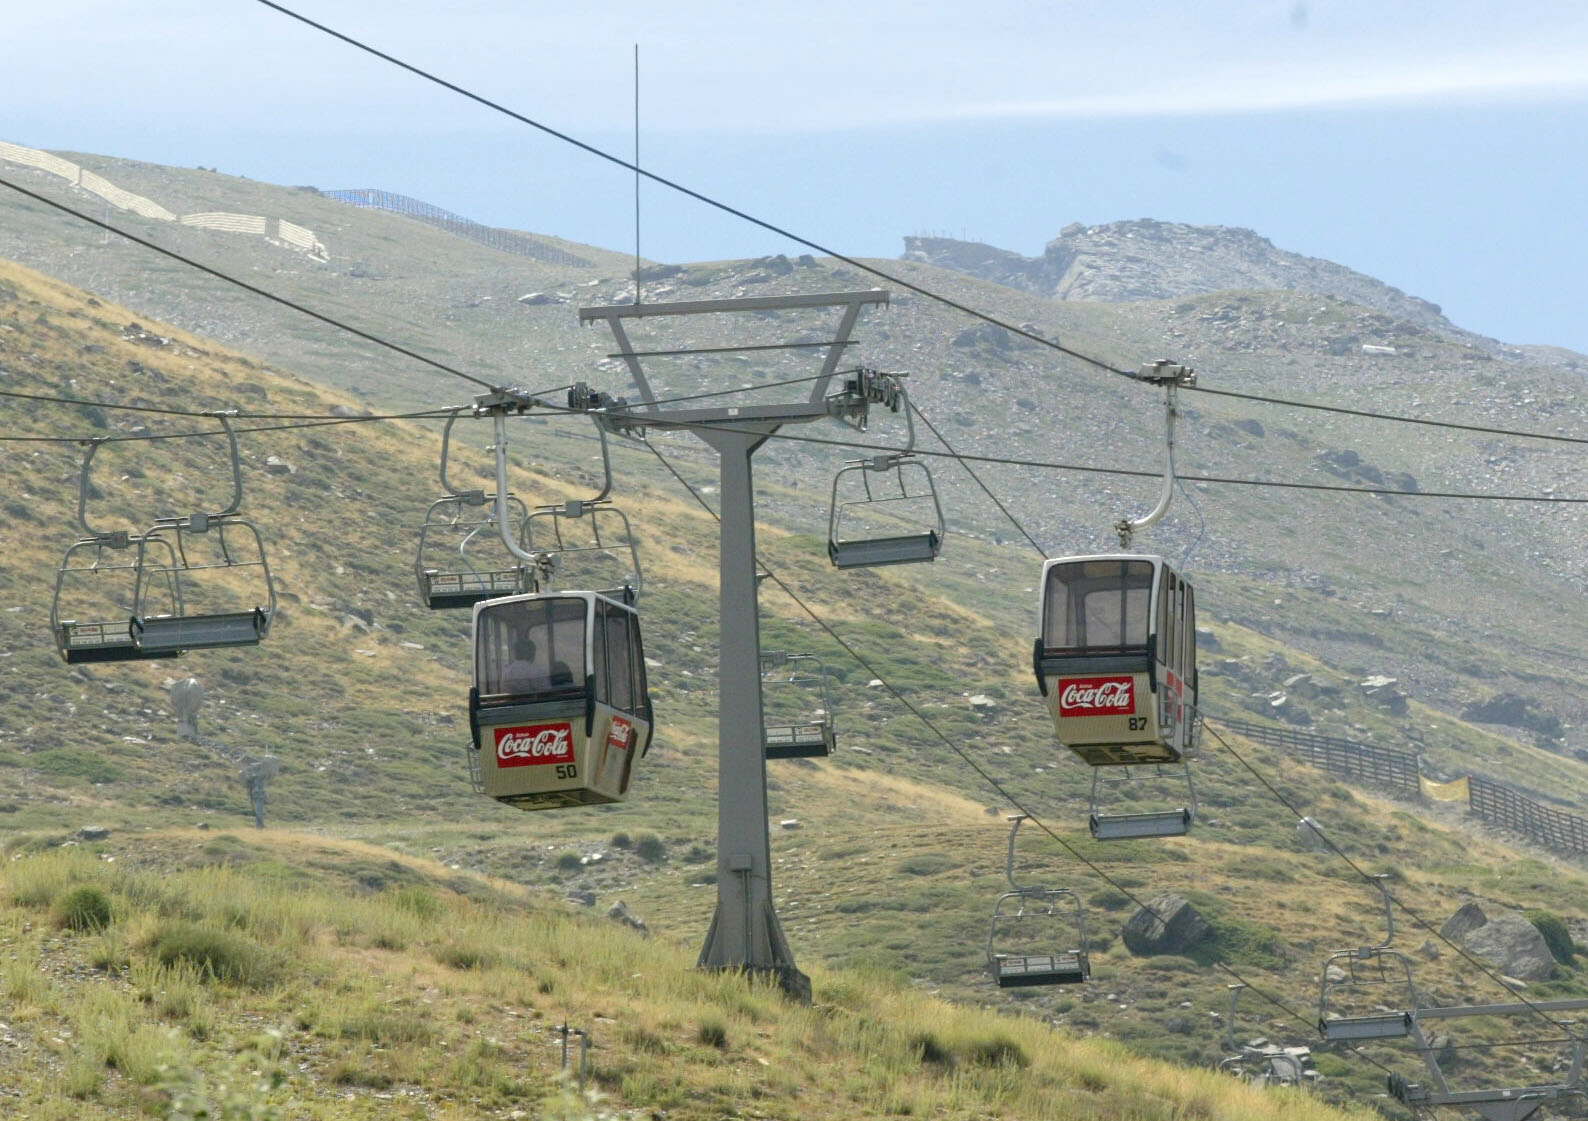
x=1151, y=260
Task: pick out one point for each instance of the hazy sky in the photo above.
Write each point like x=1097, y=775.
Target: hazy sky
x=1442, y=148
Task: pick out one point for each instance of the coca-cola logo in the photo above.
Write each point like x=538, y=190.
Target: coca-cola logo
x=621, y=733
x=534, y=744
x=1097, y=696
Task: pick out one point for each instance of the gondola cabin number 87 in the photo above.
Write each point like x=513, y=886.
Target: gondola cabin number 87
x=1116, y=659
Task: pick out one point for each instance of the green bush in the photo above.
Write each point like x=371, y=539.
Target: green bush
x=650, y=847
x=466, y=956
x=931, y=1051
x=1109, y=899
x=713, y=1033
x=417, y=901
x=569, y=862
x=996, y=1051
x=622, y=841
x=927, y=864
x=217, y=954
x=84, y=908
x=1555, y=935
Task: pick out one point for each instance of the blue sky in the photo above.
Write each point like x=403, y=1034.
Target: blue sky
x=1441, y=148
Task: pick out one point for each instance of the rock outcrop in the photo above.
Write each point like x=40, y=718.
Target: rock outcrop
x=1151, y=260
x=1505, y=939
x=1167, y=925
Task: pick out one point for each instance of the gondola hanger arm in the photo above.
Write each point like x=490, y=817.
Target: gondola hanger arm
x=1171, y=376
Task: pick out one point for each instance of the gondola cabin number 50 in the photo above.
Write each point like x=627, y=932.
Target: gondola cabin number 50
x=1116, y=659
x=559, y=710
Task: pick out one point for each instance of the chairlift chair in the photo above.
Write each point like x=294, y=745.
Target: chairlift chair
x=1035, y=909
x=166, y=619
x=212, y=629
x=584, y=538
x=121, y=559
x=1494, y=1103
x=1375, y=969
x=1260, y=1062
x=885, y=509
x=792, y=727
x=559, y=707
x=458, y=528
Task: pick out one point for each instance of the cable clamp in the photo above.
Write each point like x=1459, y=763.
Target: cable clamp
x=1165, y=372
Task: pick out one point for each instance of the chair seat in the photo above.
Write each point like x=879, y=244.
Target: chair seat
x=1019, y=970
x=1124, y=827
x=911, y=549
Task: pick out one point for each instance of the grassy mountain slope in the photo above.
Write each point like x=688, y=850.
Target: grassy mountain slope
x=896, y=859
x=193, y=968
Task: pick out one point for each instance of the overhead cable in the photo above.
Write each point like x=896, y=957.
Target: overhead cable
x=119, y=406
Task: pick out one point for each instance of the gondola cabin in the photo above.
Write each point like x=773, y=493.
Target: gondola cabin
x=559, y=709
x=1116, y=658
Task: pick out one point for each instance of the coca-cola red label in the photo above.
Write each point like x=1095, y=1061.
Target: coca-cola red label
x=533, y=744
x=621, y=733
x=1097, y=696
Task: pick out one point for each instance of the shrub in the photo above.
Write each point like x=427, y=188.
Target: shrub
x=1110, y=899
x=87, y=908
x=569, y=862
x=465, y=956
x=997, y=1050
x=650, y=847
x=926, y=864
x=216, y=954
x=622, y=841
x=713, y=1033
x=931, y=1051
x=1555, y=935
x=417, y=901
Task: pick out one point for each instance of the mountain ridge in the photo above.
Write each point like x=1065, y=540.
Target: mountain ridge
x=1150, y=259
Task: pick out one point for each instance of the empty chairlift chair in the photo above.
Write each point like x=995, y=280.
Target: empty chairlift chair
x=1038, y=935
x=198, y=581
x=228, y=595
x=797, y=695
x=460, y=560
x=1368, y=992
x=587, y=542
x=560, y=706
x=1116, y=660
x=108, y=583
x=885, y=510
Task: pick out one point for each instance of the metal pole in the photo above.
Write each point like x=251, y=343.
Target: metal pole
x=745, y=932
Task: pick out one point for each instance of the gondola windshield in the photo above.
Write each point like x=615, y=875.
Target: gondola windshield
x=531, y=647
x=1098, y=606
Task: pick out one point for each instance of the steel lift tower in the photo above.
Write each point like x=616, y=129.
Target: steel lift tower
x=745, y=932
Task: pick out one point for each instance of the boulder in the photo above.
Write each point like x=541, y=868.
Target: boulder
x=1168, y=924
x=1503, y=938
x=275, y=465
x=93, y=833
